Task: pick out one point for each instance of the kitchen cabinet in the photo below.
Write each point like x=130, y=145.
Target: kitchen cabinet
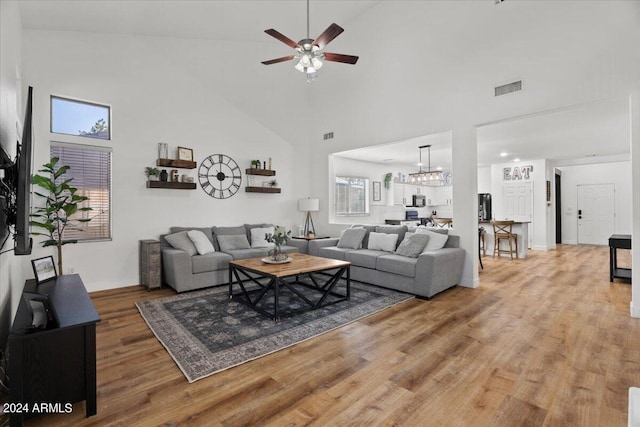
x=442, y=196
x=401, y=196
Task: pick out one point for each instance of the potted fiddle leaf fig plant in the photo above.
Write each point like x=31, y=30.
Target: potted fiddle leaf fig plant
x=61, y=203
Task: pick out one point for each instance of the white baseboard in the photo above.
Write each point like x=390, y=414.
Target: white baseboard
x=473, y=284
x=635, y=310
x=540, y=248
x=570, y=242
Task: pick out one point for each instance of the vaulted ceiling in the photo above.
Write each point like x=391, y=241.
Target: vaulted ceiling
x=424, y=64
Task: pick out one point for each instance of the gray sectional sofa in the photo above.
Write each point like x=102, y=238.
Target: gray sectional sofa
x=425, y=276
x=184, y=272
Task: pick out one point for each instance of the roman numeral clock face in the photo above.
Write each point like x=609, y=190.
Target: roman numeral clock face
x=219, y=176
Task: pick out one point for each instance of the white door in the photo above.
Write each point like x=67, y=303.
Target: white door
x=517, y=201
x=596, y=213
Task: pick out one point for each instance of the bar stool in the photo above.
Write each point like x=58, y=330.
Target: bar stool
x=502, y=230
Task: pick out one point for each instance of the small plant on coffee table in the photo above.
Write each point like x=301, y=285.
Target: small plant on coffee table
x=278, y=238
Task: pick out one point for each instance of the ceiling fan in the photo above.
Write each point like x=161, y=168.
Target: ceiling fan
x=309, y=54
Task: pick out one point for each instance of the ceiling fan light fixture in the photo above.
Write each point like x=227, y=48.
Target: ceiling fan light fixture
x=309, y=56
x=317, y=64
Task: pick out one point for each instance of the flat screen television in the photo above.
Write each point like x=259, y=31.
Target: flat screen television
x=23, y=242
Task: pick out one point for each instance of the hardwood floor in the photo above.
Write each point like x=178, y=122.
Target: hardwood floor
x=545, y=341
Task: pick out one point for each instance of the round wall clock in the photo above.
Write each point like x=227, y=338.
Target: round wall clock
x=219, y=176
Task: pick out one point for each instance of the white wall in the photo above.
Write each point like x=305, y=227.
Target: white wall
x=538, y=233
x=11, y=277
x=618, y=174
x=157, y=94
x=378, y=211
x=484, y=179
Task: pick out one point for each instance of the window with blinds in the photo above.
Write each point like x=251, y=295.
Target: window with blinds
x=352, y=196
x=90, y=168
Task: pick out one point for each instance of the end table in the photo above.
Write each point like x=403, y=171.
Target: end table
x=150, y=275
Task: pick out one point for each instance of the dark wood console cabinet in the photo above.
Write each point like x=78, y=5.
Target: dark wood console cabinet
x=54, y=366
x=618, y=241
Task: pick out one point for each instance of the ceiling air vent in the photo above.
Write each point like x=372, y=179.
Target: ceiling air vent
x=508, y=88
x=328, y=135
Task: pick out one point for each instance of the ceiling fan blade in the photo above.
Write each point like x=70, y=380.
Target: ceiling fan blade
x=338, y=57
x=275, y=61
x=284, y=39
x=329, y=34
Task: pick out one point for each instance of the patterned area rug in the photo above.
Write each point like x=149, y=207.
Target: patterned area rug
x=205, y=332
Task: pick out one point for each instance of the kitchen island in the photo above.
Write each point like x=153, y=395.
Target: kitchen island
x=520, y=228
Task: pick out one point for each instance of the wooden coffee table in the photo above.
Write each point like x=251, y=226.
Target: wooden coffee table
x=249, y=271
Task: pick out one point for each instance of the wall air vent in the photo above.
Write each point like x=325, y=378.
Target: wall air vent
x=508, y=88
x=498, y=1
x=328, y=135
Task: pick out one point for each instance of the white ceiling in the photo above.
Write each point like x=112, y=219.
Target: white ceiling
x=591, y=133
x=232, y=20
x=565, y=136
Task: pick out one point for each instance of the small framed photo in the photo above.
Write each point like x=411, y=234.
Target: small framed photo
x=185, y=154
x=376, y=191
x=44, y=269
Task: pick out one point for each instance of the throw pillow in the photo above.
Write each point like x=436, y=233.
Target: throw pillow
x=201, y=242
x=181, y=241
x=231, y=242
x=436, y=240
x=412, y=246
x=257, y=237
x=382, y=241
x=352, y=238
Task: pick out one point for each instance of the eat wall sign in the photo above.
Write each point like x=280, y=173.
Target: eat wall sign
x=517, y=173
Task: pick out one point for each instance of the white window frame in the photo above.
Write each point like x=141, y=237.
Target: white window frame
x=350, y=184
x=79, y=101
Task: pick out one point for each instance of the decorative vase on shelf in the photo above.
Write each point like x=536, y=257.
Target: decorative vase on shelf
x=164, y=175
x=163, y=150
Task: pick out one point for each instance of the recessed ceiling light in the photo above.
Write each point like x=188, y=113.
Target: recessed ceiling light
x=503, y=154
x=516, y=160
x=439, y=168
x=418, y=164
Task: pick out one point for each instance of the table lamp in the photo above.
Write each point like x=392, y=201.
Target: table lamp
x=309, y=205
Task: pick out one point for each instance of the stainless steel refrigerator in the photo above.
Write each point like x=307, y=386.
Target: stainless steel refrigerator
x=484, y=207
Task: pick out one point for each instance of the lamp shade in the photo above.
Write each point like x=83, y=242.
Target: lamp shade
x=309, y=205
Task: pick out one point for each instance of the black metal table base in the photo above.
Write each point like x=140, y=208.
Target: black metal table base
x=242, y=278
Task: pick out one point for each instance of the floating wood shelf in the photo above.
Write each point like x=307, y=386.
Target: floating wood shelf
x=174, y=163
x=263, y=172
x=262, y=190
x=174, y=185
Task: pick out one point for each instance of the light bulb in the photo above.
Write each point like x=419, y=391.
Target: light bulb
x=316, y=63
x=299, y=67
x=305, y=60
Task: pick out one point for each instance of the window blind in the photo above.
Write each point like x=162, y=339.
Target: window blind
x=90, y=168
x=351, y=196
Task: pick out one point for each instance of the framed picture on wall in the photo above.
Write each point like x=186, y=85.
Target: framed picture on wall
x=377, y=196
